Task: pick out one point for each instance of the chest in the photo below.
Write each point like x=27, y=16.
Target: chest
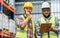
x=51, y=20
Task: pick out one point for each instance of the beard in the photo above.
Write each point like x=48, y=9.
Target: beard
x=47, y=16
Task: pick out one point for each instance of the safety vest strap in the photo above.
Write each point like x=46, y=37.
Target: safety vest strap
x=21, y=31
x=17, y=37
x=51, y=20
x=49, y=33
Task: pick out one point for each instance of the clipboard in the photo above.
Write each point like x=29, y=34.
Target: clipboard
x=44, y=27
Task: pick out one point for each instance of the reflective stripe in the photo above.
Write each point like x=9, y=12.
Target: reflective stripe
x=17, y=37
x=21, y=31
x=50, y=34
x=33, y=34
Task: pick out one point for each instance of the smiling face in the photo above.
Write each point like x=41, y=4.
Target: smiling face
x=46, y=12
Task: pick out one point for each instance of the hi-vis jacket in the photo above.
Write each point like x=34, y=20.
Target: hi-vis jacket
x=22, y=33
x=54, y=22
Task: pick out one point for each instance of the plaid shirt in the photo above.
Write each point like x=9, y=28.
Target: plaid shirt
x=19, y=21
x=30, y=33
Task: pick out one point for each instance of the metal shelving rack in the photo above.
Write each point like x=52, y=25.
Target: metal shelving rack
x=9, y=11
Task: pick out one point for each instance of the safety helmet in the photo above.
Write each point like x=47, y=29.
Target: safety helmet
x=45, y=5
x=28, y=4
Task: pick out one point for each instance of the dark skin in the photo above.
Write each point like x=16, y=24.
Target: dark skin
x=46, y=14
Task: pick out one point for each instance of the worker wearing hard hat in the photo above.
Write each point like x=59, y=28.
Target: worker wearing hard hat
x=47, y=18
x=24, y=22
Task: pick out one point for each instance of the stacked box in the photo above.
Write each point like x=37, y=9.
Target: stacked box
x=12, y=26
x=1, y=27
x=11, y=3
x=14, y=29
x=7, y=1
x=5, y=21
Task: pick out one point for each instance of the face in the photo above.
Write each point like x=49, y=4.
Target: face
x=28, y=10
x=46, y=12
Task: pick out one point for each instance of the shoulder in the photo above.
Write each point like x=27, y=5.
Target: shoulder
x=54, y=17
x=20, y=17
x=40, y=19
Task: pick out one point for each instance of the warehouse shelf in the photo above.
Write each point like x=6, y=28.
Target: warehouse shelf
x=3, y=34
x=7, y=6
x=8, y=11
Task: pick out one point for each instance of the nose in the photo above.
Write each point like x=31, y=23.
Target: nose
x=28, y=9
x=46, y=11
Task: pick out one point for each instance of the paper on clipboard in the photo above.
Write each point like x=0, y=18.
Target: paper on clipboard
x=44, y=27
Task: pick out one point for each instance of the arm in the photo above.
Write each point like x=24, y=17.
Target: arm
x=38, y=34
x=55, y=29
x=22, y=23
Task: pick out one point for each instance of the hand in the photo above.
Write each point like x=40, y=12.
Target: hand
x=49, y=29
x=54, y=30
x=29, y=17
x=27, y=13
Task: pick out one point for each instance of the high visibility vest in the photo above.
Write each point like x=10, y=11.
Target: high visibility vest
x=23, y=33
x=52, y=34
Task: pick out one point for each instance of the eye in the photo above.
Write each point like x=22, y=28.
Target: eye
x=28, y=8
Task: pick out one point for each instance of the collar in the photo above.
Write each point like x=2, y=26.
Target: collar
x=25, y=16
x=47, y=19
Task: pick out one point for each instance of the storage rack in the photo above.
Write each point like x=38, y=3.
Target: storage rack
x=9, y=11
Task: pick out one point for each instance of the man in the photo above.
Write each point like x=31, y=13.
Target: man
x=24, y=22
x=47, y=18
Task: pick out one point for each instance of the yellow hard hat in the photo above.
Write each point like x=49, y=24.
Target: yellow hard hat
x=28, y=4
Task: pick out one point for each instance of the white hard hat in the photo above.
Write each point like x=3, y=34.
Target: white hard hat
x=45, y=5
